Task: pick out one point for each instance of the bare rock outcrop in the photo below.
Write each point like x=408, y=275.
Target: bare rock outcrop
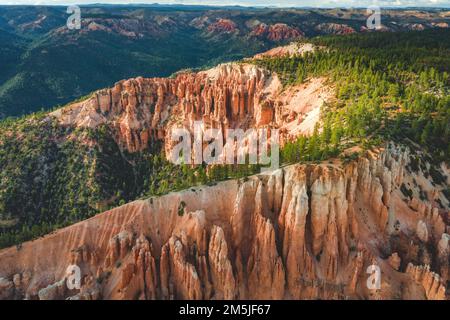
x=223, y=26
x=334, y=28
x=431, y=281
x=422, y=231
x=277, y=32
x=6, y=289
x=222, y=276
x=301, y=232
x=394, y=261
x=141, y=111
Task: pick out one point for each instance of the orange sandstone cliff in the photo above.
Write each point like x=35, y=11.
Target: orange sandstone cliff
x=300, y=232
x=233, y=95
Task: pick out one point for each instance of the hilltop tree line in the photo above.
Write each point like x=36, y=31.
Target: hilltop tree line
x=388, y=86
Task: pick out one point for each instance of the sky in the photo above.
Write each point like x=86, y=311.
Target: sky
x=277, y=3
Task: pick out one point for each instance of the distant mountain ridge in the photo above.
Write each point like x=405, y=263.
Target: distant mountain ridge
x=44, y=64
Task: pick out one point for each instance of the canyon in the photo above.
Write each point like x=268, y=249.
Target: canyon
x=36, y=43
x=304, y=231
x=241, y=95
x=299, y=232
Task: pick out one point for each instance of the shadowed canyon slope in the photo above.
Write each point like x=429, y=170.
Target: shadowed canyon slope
x=304, y=231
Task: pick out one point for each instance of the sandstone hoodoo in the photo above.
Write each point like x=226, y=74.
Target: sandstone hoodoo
x=357, y=209
x=233, y=95
x=305, y=231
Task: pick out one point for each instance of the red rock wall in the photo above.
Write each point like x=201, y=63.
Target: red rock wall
x=305, y=231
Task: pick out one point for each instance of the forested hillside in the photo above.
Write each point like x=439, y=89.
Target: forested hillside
x=387, y=87
x=44, y=64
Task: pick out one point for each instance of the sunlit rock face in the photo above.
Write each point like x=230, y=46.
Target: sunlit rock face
x=300, y=232
x=243, y=96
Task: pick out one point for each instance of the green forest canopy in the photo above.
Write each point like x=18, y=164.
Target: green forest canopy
x=389, y=86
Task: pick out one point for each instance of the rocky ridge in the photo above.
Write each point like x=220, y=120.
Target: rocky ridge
x=300, y=232
x=334, y=28
x=277, y=32
x=234, y=95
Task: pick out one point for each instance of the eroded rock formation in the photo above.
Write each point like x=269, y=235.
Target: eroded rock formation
x=277, y=32
x=223, y=26
x=140, y=111
x=334, y=28
x=301, y=232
